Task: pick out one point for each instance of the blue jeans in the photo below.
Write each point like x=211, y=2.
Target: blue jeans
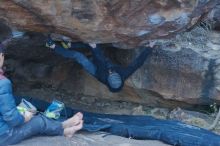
x=38, y=125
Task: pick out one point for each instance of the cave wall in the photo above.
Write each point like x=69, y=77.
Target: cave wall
x=172, y=75
x=168, y=78
x=215, y=16
x=127, y=23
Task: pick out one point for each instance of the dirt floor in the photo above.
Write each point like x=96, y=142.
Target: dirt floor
x=89, y=139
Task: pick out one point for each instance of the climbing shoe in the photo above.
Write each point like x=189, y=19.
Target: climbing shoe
x=66, y=45
x=50, y=43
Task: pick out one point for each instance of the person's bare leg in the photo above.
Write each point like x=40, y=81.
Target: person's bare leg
x=73, y=121
x=70, y=131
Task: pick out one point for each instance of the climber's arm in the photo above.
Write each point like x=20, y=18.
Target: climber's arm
x=79, y=57
x=138, y=62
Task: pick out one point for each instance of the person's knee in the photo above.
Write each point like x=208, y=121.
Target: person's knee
x=38, y=121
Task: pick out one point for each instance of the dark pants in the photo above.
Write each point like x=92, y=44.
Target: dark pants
x=38, y=125
x=99, y=59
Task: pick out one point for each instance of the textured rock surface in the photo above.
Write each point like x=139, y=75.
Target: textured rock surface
x=214, y=16
x=92, y=139
x=173, y=73
x=105, y=21
x=179, y=71
x=184, y=68
x=199, y=119
x=191, y=117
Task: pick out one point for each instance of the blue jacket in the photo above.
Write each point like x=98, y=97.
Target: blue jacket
x=9, y=115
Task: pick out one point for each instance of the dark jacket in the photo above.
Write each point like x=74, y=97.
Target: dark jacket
x=9, y=115
x=101, y=65
x=104, y=65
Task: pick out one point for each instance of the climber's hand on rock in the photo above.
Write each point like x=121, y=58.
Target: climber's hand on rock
x=93, y=45
x=69, y=44
x=1, y=60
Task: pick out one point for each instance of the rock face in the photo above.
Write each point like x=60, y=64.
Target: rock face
x=170, y=77
x=88, y=139
x=183, y=69
x=128, y=23
x=215, y=15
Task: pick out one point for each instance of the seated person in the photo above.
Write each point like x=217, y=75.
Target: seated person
x=112, y=75
x=15, y=127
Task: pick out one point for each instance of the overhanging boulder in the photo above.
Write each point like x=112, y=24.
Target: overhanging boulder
x=127, y=22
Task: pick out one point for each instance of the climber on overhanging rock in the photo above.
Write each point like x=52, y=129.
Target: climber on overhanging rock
x=100, y=67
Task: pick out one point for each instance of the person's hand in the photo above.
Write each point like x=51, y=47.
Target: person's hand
x=93, y=45
x=69, y=44
x=50, y=43
x=1, y=59
x=28, y=116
